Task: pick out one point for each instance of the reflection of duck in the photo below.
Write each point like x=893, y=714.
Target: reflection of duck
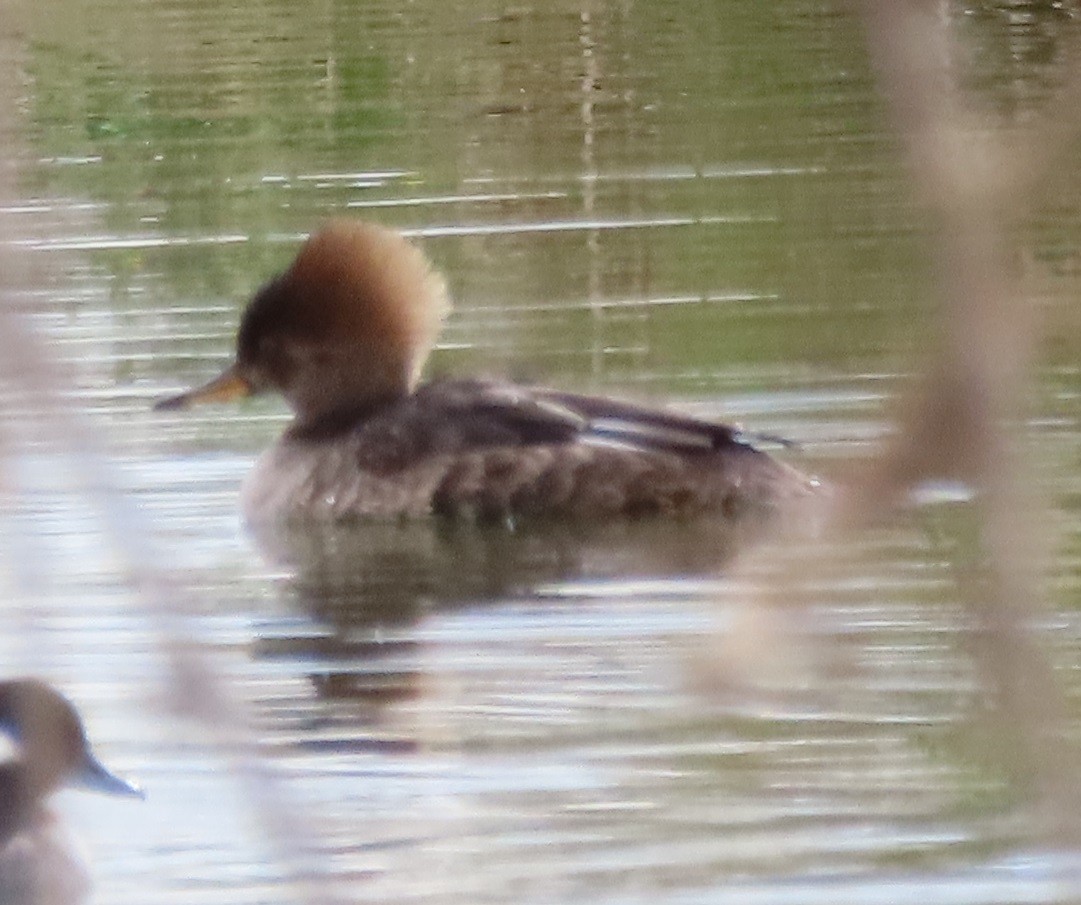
x=37, y=864
x=343, y=335
x=367, y=591
x=371, y=576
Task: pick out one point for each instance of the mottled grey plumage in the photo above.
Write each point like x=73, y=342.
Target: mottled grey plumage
x=494, y=451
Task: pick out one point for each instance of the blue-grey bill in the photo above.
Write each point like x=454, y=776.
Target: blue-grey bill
x=95, y=777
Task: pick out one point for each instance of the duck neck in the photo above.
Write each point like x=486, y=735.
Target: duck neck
x=338, y=421
x=320, y=383
x=21, y=793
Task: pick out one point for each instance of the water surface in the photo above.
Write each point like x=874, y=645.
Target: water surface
x=697, y=204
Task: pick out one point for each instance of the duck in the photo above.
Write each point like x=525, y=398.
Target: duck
x=343, y=334
x=39, y=863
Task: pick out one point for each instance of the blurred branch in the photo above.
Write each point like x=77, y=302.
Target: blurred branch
x=957, y=159
x=32, y=376
x=958, y=420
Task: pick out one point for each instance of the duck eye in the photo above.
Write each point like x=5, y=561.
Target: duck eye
x=10, y=727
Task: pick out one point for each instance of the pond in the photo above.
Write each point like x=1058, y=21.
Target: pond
x=700, y=205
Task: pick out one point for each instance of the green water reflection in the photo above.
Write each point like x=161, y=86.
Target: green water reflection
x=754, y=126
x=208, y=121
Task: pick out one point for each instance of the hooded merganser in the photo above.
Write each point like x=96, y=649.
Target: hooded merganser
x=37, y=863
x=343, y=335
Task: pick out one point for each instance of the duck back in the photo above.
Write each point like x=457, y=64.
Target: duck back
x=495, y=451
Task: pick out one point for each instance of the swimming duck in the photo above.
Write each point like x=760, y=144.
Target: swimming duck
x=343, y=335
x=38, y=863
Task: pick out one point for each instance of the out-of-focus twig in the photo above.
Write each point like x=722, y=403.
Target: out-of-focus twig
x=958, y=419
x=30, y=374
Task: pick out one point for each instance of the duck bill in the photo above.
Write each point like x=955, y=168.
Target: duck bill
x=96, y=777
x=227, y=386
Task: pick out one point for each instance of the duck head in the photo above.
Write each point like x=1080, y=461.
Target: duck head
x=52, y=746
x=349, y=325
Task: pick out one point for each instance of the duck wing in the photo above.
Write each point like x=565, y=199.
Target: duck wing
x=644, y=426
x=482, y=413
x=489, y=413
x=506, y=450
